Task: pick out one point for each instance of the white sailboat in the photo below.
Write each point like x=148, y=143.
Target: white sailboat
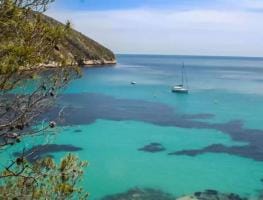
x=181, y=88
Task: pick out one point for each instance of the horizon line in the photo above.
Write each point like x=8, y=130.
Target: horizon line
x=184, y=55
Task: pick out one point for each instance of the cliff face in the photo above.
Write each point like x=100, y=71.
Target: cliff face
x=79, y=49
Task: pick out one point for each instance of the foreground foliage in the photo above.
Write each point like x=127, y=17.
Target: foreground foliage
x=26, y=41
x=43, y=179
x=28, y=44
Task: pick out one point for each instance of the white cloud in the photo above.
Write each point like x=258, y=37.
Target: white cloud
x=251, y=4
x=168, y=31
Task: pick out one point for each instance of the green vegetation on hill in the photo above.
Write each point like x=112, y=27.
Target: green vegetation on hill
x=78, y=48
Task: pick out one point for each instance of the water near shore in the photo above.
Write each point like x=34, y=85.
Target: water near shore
x=145, y=136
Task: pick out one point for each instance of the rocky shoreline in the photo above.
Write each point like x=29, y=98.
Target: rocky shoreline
x=99, y=62
x=84, y=63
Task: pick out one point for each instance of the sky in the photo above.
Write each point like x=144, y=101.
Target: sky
x=172, y=27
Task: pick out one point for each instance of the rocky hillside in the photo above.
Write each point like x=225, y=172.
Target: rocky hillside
x=78, y=48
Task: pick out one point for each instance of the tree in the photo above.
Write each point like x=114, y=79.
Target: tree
x=28, y=88
x=43, y=180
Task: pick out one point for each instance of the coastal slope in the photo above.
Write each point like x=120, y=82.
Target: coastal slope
x=80, y=49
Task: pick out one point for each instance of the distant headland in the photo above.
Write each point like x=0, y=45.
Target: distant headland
x=79, y=49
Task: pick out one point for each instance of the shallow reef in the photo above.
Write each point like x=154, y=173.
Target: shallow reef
x=153, y=148
x=37, y=152
x=152, y=194
x=93, y=106
x=211, y=195
x=141, y=194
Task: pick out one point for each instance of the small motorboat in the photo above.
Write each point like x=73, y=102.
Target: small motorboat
x=133, y=83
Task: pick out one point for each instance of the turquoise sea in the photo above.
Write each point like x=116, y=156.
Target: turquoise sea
x=212, y=137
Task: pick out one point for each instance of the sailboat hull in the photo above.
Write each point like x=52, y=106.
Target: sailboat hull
x=177, y=89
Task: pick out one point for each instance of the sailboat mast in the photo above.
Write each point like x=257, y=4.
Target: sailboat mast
x=183, y=74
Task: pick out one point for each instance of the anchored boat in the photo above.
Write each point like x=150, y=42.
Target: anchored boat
x=181, y=88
